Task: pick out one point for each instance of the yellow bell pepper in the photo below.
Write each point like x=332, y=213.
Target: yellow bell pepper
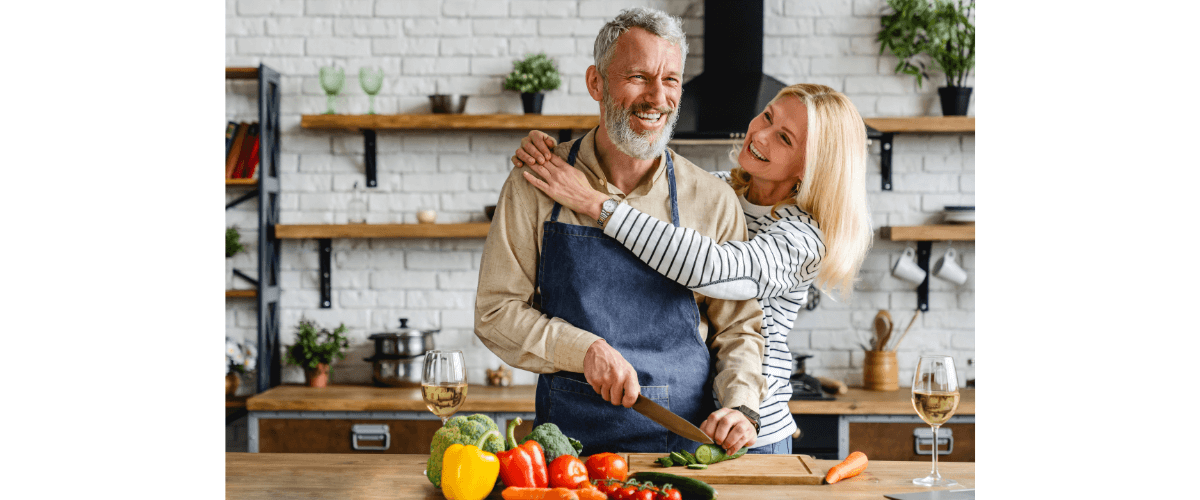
x=468, y=472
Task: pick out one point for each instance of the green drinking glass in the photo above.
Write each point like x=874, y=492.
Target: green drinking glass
x=371, y=79
x=332, y=80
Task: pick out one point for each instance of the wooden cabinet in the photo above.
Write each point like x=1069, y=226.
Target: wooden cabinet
x=895, y=441
x=335, y=435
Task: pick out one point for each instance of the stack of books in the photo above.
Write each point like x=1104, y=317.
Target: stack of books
x=241, y=150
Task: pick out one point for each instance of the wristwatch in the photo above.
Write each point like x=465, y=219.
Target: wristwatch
x=606, y=210
x=750, y=414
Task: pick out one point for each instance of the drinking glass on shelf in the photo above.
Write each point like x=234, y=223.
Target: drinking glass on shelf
x=444, y=383
x=332, y=80
x=935, y=397
x=371, y=79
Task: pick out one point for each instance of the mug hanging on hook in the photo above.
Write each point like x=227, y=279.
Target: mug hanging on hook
x=948, y=269
x=906, y=267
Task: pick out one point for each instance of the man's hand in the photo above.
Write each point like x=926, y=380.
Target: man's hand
x=730, y=429
x=613, y=378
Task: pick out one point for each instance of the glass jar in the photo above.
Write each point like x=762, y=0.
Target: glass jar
x=357, y=208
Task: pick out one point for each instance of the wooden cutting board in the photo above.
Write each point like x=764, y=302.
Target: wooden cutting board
x=747, y=469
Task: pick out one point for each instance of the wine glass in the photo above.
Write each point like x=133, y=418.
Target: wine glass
x=935, y=397
x=371, y=79
x=332, y=80
x=444, y=383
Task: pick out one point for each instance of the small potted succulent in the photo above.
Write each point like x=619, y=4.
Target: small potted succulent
x=315, y=349
x=941, y=30
x=239, y=359
x=531, y=77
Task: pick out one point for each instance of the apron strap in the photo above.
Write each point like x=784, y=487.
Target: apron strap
x=670, y=183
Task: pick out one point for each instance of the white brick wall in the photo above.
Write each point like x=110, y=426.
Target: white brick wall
x=467, y=46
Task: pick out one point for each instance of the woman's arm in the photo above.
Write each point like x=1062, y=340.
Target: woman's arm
x=781, y=257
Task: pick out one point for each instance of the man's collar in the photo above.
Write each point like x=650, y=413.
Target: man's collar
x=588, y=160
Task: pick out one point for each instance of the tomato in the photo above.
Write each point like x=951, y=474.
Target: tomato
x=645, y=494
x=567, y=471
x=607, y=466
x=607, y=487
x=669, y=494
x=625, y=492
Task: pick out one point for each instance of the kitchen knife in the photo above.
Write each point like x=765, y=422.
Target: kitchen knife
x=671, y=421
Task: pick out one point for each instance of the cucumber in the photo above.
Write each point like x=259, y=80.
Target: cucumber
x=678, y=459
x=709, y=454
x=697, y=466
x=691, y=459
x=665, y=461
x=689, y=488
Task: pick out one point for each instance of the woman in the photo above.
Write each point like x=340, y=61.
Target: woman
x=802, y=183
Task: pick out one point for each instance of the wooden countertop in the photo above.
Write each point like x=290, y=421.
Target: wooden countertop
x=400, y=477
x=519, y=399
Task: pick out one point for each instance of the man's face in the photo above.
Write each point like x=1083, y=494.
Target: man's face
x=641, y=96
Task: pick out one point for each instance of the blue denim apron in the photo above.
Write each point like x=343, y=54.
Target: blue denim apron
x=595, y=283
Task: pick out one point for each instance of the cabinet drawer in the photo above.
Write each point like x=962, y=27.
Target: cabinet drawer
x=894, y=441
x=309, y=435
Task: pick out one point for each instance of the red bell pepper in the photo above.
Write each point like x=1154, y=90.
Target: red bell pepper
x=567, y=471
x=523, y=466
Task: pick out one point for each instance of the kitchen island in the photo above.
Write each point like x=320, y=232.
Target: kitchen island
x=401, y=477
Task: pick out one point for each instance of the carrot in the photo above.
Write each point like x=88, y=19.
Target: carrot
x=561, y=494
x=591, y=493
x=518, y=493
x=850, y=467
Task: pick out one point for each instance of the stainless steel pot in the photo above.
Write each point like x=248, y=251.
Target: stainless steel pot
x=405, y=342
x=394, y=371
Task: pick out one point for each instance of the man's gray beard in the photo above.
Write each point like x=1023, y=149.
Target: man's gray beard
x=616, y=120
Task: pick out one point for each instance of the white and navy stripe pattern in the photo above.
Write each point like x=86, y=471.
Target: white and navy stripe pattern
x=776, y=266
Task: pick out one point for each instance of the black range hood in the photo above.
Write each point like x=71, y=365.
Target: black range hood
x=720, y=102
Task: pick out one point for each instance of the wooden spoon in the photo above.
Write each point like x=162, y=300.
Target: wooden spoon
x=906, y=329
x=883, y=329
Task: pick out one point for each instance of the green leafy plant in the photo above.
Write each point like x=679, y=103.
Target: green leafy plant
x=233, y=242
x=314, y=347
x=943, y=30
x=536, y=73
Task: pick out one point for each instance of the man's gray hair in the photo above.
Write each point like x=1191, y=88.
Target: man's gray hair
x=655, y=21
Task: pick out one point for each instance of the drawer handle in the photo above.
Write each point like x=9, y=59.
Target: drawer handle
x=370, y=432
x=923, y=437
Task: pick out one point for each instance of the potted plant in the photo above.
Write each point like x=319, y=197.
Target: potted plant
x=315, y=349
x=531, y=77
x=233, y=242
x=239, y=359
x=943, y=31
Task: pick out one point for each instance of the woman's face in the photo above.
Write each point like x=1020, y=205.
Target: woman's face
x=774, y=146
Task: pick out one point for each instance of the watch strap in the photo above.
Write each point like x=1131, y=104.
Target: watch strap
x=750, y=414
x=605, y=214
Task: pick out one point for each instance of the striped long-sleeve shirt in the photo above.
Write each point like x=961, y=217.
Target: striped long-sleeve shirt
x=776, y=265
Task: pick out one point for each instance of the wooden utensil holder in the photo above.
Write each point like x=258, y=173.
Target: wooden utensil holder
x=880, y=371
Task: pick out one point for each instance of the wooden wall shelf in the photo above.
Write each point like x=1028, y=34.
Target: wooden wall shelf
x=939, y=232
x=449, y=122
x=241, y=182
x=241, y=294
x=325, y=231
x=241, y=73
x=924, y=124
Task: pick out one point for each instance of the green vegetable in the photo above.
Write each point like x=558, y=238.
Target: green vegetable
x=665, y=461
x=462, y=429
x=691, y=459
x=697, y=466
x=711, y=454
x=689, y=488
x=553, y=441
x=678, y=459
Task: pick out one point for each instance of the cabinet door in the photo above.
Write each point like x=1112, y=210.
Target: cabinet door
x=304, y=435
x=894, y=441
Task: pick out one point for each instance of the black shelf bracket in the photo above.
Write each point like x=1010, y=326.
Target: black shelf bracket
x=369, y=156
x=924, y=249
x=885, y=160
x=326, y=254
x=245, y=277
x=241, y=199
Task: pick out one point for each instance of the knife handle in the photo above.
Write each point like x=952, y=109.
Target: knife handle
x=833, y=386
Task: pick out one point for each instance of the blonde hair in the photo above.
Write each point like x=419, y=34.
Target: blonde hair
x=834, y=187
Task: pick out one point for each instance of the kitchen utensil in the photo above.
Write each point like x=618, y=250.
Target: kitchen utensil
x=804, y=386
x=448, y=103
x=906, y=267
x=958, y=214
x=947, y=268
x=833, y=386
x=396, y=371
x=405, y=342
x=883, y=329
x=935, y=398
x=906, y=329
x=747, y=469
x=934, y=495
x=880, y=371
x=671, y=421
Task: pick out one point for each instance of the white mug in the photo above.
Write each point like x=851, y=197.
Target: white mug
x=947, y=268
x=906, y=267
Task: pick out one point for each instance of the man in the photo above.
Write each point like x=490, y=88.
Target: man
x=559, y=298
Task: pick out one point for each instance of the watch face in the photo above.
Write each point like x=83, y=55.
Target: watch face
x=609, y=205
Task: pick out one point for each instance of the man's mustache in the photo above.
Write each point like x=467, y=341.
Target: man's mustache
x=646, y=108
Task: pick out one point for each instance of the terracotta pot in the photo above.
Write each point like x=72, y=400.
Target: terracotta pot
x=318, y=377
x=232, y=381
x=880, y=371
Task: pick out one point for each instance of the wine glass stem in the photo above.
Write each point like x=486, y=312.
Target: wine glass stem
x=329, y=104
x=934, y=473
x=371, y=106
x=444, y=419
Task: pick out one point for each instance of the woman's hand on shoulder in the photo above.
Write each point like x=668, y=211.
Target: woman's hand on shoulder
x=566, y=185
x=536, y=148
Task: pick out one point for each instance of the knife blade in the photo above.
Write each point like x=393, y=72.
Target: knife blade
x=671, y=421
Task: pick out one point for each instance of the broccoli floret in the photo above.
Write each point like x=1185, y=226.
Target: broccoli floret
x=465, y=430
x=553, y=441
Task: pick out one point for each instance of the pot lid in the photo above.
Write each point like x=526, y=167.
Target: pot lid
x=404, y=331
x=392, y=357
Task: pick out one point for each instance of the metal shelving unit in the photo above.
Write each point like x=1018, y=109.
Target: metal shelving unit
x=266, y=189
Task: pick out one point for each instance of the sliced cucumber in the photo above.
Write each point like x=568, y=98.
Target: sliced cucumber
x=678, y=458
x=710, y=454
x=697, y=466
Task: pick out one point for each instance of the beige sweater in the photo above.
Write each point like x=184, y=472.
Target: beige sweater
x=507, y=322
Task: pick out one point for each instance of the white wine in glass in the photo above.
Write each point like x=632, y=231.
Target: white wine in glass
x=935, y=397
x=444, y=383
